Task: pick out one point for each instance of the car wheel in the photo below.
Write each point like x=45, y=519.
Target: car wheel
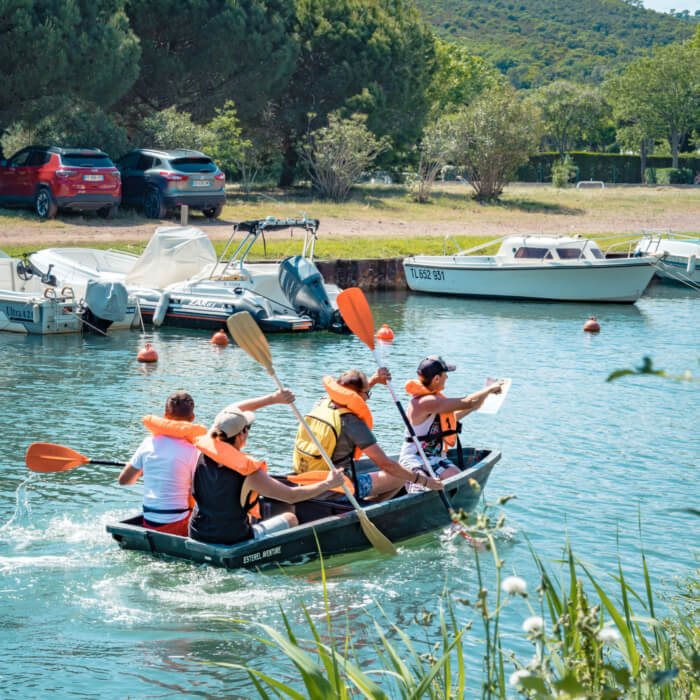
x=153, y=205
x=213, y=212
x=108, y=212
x=44, y=204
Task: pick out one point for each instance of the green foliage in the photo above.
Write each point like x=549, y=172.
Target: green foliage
x=435, y=147
x=563, y=172
x=172, y=129
x=200, y=53
x=52, y=52
x=374, y=57
x=647, y=367
x=225, y=142
x=660, y=94
x=674, y=176
x=534, y=42
x=608, y=167
x=569, y=111
x=493, y=137
x=336, y=155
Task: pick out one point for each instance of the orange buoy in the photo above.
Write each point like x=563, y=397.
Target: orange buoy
x=591, y=326
x=147, y=354
x=219, y=338
x=385, y=333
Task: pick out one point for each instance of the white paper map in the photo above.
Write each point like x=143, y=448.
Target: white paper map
x=493, y=402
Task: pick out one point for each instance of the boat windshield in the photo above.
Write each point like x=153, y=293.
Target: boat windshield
x=530, y=252
x=569, y=253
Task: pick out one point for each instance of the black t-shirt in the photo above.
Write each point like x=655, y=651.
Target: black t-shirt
x=218, y=516
x=353, y=433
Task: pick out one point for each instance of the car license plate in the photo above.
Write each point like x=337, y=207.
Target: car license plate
x=93, y=178
x=200, y=183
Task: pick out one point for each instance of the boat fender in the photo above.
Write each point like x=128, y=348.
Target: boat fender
x=36, y=313
x=161, y=309
x=591, y=326
x=692, y=262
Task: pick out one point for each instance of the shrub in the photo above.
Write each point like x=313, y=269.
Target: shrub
x=172, y=129
x=674, y=176
x=437, y=143
x=563, y=172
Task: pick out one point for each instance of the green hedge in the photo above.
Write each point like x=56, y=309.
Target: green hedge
x=608, y=167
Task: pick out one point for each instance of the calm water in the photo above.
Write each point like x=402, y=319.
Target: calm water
x=82, y=618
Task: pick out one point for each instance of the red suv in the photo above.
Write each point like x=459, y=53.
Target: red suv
x=51, y=178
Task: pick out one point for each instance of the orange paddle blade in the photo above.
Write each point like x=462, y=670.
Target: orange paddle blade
x=356, y=313
x=48, y=458
x=313, y=478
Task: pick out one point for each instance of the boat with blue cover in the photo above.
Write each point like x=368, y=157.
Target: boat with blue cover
x=332, y=526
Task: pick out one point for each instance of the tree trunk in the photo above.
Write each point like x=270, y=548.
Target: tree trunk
x=675, y=139
x=289, y=165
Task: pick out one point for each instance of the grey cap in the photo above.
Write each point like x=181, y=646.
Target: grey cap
x=231, y=420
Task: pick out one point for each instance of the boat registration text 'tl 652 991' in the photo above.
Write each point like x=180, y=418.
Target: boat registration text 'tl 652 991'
x=422, y=273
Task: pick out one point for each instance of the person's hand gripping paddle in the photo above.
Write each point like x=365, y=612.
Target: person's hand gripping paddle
x=246, y=332
x=356, y=313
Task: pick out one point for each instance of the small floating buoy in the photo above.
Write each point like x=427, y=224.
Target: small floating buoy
x=147, y=354
x=591, y=326
x=219, y=338
x=385, y=333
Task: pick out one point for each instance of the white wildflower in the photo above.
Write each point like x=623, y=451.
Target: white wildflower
x=514, y=585
x=518, y=675
x=533, y=624
x=609, y=635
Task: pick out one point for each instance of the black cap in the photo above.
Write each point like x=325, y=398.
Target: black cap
x=432, y=366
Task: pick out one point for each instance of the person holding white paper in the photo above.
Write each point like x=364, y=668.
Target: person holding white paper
x=435, y=417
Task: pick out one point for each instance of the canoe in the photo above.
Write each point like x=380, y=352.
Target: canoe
x=335, y=524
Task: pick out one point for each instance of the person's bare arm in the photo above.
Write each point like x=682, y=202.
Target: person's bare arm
x=129, y=475
x=390, y=466
x=280, y=396
x=265, y=485
x=423, y=406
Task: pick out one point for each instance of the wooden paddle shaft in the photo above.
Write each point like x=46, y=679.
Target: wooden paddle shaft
x=411, y=431
x=326, y=458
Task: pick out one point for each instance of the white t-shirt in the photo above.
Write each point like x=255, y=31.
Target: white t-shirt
x=168, y=467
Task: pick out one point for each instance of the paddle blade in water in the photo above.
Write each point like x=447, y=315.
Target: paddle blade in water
x=313, y=478
x=379, y=541
x=48, y=458
x=356, y=313
x=247, y=334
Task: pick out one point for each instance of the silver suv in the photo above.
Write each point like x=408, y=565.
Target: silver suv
x=160, y=180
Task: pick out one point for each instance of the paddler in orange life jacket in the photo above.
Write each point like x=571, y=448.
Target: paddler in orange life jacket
x=227, y=481
x=345, y=410
x=167, y=459
x=435, y=418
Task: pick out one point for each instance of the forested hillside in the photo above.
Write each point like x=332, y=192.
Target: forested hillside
x=536, y=41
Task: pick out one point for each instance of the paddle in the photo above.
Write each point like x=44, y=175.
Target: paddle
x=356, y=313
x=48, y=458
x=246, y=332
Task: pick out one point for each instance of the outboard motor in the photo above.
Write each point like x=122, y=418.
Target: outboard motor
x=302, y=284
x=104, y=303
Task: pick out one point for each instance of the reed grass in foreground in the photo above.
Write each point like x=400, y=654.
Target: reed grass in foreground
x=587, y=642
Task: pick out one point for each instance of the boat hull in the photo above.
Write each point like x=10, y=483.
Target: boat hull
x=26, y=313
x=619, y=281
x=340, y=532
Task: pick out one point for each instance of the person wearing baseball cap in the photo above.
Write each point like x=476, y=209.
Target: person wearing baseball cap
x=435, y=418
x=227, y=481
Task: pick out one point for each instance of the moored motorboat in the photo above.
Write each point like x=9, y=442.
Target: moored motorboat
x=677, y=256
x=33, y=303
x=542, y=268
x=333, y=526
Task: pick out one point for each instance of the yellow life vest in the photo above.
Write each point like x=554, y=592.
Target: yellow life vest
x=448, y=421
x=325, y=423
x=228, y=456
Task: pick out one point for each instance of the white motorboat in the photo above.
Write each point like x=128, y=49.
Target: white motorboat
x=32, y=303
x=546, y=268
x=677, y=256
x=179, y=281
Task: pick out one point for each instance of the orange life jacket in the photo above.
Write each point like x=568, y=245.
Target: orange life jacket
x=350, y=400
x=228, y=456
x=185, y=430
x=448, y=421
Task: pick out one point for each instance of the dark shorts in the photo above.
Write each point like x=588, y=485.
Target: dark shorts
x=364, y=485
